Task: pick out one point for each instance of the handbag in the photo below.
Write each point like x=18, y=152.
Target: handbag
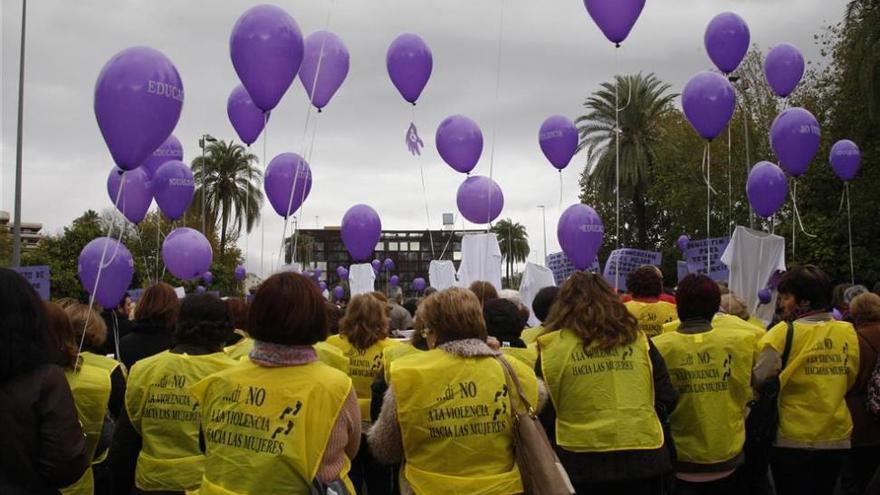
x=539, y=466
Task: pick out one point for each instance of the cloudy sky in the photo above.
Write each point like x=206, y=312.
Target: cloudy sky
x=552, y=57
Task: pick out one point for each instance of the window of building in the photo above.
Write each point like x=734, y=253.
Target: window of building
x=414, y=246
x=456, y=256
x=392, y=246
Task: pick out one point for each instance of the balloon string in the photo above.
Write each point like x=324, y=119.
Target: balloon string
x=424, y=192
x=247, y=207
x=797, y=212
x=852, y=269
x=617, y=154
x=708, y=203
x=560, y=191
x=748, y=165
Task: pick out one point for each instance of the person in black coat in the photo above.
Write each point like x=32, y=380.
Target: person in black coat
x=154, y=320
x=118, y=325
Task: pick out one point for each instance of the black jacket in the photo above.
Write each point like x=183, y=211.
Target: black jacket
x=145, y=340
x=123, y=328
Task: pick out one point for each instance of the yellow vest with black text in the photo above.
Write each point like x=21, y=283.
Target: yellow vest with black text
x=652, y=315
x=266, y=429
x=712, y=373
x=90, y=386
x=327, y=354
x=392, y=353
x=167, y=418
x=364, y=365
x=727, y=321
x=822, y=367
x=455, y=420
x=604, y=399
x=526, y=355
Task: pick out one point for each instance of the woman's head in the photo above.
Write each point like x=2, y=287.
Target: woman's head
x=334, y=315
x=88, y=321
x=365, y=321
x=698, y=297
x=645, y=282
x=288, y=310
x=865, y=309
x=804, y=289
x=158, y=306
x=544, y=299
x=65, y=345
x=483, y=290
x=452, y=314
x=837, y=296
x=24, y=331
x=503, y=319
x=734, y=305
x=203, y=321
x=238, y=312
x=588, y=306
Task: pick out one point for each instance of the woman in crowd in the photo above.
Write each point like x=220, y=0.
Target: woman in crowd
x=541, y=305
x=814, y=422
x=733, y=305
x=645, y=284
x=154, y=319
x=118, y=324
x=90, y=329
x=609, y=387
x=156, y=446
x=303, y=417
x=363, y=336
x=483, y=290
x=710, y=364
x=505, y=323
x=446, y=452
x=42, y=447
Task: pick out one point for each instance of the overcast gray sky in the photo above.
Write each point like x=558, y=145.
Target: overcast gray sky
x=553, y=56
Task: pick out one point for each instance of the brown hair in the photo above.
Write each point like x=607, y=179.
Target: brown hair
x=89, y=321
x=158, y=306
x=382, y=298
x=365, y=321
x=288, y=310
x=483, y=290
x=64, y=302
x=238, y=312
x=865, y=309
x=65, y=346
x=587, y=305
x=334, y=315
x=734, y=305
x=453, y=314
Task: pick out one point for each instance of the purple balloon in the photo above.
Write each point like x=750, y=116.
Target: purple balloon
x=361, y=229
x=116, y=270
x=376, y=264
x=288, y=182
x=419, y=284
x=766, y=188
x=200, y=289
x=208, y=278
x=795, y=137
x=170, y=149
x=389, y=264
x=343, y=275
x=138, y=99
x=480, y=199
x=394, y=281
x=187, y=253
x=246, y=118
x=784, y=68
x=173, y=187
x=135, y=197
x=409, y=62
x=338, y=292
x=322, y=285
x=266, y=46
x=765, y=296
x=682, y=242
x=558, y=138
x=709, y=101
x=580, y=232
x=836, y=314
x=845, y=158
x=326, y=58
x=318, y=273
x=727, y=41
x=615, y=18
x=240, y=273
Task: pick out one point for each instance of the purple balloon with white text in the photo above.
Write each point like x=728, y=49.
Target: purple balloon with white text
x=419, y=284
x=409, y=62
x=558, y=138
x=784, y=68
x=795, y=136
x=324, y=67
x=170, y=149
x=288, y=182
x=187, y=253
x=173, y=188
x=727, y=41
x=708, y=100
x=459, y=142
x=240, y=273
x=615, y=18
x=112, y=260
x=845, y=158
x=246, y=118
x=361, y=229
x=134, y=199
x=480, y=199
x=766, y=188
x=580, y=232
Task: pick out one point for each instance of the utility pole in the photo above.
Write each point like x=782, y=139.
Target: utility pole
x=16, y=226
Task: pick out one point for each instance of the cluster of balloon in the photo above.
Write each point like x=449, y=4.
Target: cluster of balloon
x=766, y=188
x=361, y=229
x=795, y=137
x=394, y=281
x=247, y=119
x=338, y=292
x=208, y=278
x=419, y=284
x=480, y=199
x=187, y=253
x=409, y=62
x=558, y=139
x=615, y=18
x=240, y=273
x=727, y=40
x=580, y=232
x=105, y=268
x=459, y=142
x=683, y=242
x=288, y=182
x=784, y=68
x=324, y=67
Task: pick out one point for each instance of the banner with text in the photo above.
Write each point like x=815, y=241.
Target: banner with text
x=622, y=261
x=699, y=251
x=38, y=277
x=562, y=268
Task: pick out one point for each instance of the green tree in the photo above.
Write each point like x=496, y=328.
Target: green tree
x=231, y=184
x=514, y=243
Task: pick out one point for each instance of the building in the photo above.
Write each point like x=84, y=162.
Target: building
x=30, y=231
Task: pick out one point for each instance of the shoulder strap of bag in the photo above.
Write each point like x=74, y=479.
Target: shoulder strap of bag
x=789, y=336
x=510, y=376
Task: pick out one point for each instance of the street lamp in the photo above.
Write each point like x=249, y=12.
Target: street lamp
x=16, y=222
x=206, y=138
x=544, y=217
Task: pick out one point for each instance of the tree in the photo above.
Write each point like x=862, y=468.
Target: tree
x=645, y=101
x=231, y=184
x=514, y=243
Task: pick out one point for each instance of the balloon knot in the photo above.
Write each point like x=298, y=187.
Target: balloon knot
x=319, y=110
x=617, y=45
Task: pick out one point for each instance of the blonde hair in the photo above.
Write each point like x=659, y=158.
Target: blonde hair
x=453, y=314
x=84, y=319
x=365, y=321
x=734, y=305
x=865, y=309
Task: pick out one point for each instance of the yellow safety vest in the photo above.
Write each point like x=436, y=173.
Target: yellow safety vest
x=652, y=316
x=240, y=349
x=392, y=353
x=604, y=399
x=327, y=354
x=455, y=419
x=530, y=335
x=754, y=320
x=712, y=372
x=91, y=386
x=163, y=412
x=822, y=367
x=726, y=321
x=266, y=429
x=364, y=365
x=527, y=355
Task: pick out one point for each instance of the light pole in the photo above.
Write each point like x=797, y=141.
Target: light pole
x=544, y=217
x=16, y=226
x=206, y=138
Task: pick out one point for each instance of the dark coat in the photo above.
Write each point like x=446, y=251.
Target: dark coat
x=866, y=430
x=145, y=340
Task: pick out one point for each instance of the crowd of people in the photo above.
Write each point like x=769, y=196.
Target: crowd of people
x=651, y=392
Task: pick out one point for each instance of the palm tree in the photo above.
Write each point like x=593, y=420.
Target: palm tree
x=231, y=182
x=514, y=243
x=644, y=100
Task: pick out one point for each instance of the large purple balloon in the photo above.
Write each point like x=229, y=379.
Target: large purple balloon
x=419, y=284
x=138, y=98
x=766, y=188
x=709, y=101
x=784, y=68
x=246, y=118
x=173, y=187
x=116, y=270
x=135, y=197
x=326, y=58
x=727, y=41
x=361, y=229
x=186, y=253
x=170, y=149
x=794, y=137
x=480, y=199
x=460, y=142
x=338, y=292
x=580, y=232
x=558, y=138
x=288, y=182
x=845, y=158
x=409, y=62
x=266, y=46
x=615, y=18
x=240, y=273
